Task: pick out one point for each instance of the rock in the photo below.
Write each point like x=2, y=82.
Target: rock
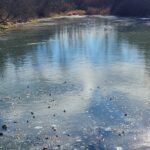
x=53, y=128
x=32, y=113
x=4, y=127
x=64, y=111
x=1, y=134
x=125, y=115
x=58, y=146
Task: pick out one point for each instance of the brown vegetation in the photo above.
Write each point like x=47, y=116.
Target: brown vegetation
x=76, y=12
x=23, y=10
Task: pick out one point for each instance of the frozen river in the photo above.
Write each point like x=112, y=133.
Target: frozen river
x=76, y=83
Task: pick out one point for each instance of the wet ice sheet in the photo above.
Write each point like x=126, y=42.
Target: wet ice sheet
x=80, y=85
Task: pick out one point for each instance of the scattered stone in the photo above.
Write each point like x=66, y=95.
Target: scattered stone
x=15, y=122
x=98, y=87
x=125, y=115
x=32, y=113
x=68, y=134
x=119, y=134
x=44, y=148
x=49, y=107
x=33, y=117
x=64, y=111
x=28, y=86
x=65, y=82
x=27, y=121
x=4, y=127
x=46, y=138
x=50, y=94
x=123, y=132
x=54, y=115
x=53, y=129
x=57, y=136
x=58, y=146
x=1, y=134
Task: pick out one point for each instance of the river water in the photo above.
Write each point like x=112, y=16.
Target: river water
x=76, y=83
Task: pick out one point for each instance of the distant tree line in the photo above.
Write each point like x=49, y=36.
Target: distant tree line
x=22, y=10
x=133, y=8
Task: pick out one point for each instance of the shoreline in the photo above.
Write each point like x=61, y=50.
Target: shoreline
x=11, y=25
x=76, y=12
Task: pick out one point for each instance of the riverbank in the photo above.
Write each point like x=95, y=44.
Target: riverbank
x=12, y=25
x=89, y=11
x=62, y=87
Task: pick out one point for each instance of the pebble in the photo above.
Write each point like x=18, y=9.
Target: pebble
x=4, y=127
x=53, y=128
x=32, y=113
x=125, y=115
x=1, y=134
